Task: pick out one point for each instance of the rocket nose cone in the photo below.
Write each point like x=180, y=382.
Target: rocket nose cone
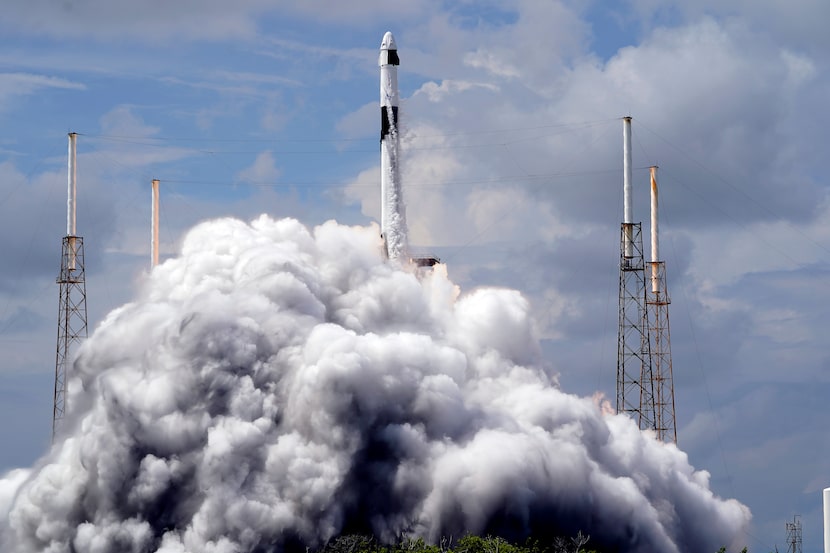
x=388, y=42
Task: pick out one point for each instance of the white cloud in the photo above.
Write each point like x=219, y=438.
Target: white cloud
x=491, y=63
x=121, y=121
x=27, y=81
x=23, y=84
x=107, y=20
x=186, y=19
x=360, y=122
x=264, y=170
x=436, y=92
x=800, y=22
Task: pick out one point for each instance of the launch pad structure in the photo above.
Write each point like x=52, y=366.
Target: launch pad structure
x=72, y=313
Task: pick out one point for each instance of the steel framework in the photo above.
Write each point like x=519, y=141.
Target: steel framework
x=658, y=325
x=72, y=318
x=635, y=382
x=794, y=536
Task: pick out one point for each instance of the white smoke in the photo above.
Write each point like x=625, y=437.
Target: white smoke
x=273, y=387
x=9, y=484
x=393, y=208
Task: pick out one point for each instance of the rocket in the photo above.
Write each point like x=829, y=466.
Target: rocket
x=392, y=213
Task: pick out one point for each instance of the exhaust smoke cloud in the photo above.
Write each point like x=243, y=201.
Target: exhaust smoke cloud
x=274, y=386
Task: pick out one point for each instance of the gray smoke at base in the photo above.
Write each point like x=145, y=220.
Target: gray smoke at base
x=273, y=387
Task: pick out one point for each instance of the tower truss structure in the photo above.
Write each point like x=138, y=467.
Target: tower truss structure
x=72, y=313
x=72, y=318
x=657, y=302
x=635, y=383
x=794, y=536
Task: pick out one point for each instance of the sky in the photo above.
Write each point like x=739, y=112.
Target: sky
x=512, y=171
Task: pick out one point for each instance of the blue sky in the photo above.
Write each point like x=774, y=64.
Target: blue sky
x=512, y=174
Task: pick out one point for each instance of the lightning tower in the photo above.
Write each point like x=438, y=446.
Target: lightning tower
x=657, y=302
x=72, y=321
x=794, y=536
x=154, y=224
x=635, y=384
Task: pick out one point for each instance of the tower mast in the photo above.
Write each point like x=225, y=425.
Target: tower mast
x=794, y=535
x=658, y=315
x=72, y=314
x=154, y=225
x=635, y=386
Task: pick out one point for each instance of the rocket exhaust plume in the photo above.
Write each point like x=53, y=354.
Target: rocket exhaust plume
x=392, y=214
x=273, y=387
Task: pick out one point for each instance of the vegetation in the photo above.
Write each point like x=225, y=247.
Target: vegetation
x=467, y=544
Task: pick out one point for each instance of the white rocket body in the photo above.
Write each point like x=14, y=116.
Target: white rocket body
x=392, y=214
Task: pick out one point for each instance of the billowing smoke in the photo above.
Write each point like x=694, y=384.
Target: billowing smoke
x=274, y=387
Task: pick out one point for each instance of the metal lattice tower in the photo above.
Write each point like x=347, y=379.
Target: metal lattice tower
x=657, y=302
x=635, y=385
x=635, y=391
x=72, y=320
x=794, y=536
x=72, y=315
x=658, y=325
